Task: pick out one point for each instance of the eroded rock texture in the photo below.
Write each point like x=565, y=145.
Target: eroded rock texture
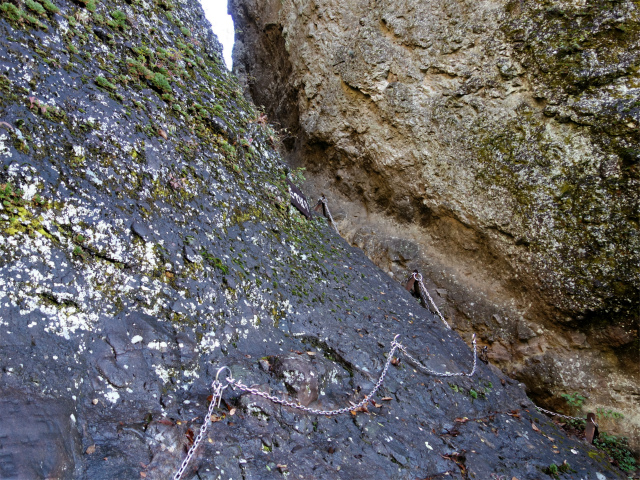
x=491, y=144
x=146, y=240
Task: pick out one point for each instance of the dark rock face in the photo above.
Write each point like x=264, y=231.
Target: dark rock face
x=39, y=436
x=145, y=242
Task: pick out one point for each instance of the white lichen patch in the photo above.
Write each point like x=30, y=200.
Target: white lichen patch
x=4, y=149
x=208, y=343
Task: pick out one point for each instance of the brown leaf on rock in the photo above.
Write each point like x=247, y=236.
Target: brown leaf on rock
x=535, y=427
x=91, y=449
x=162, y=133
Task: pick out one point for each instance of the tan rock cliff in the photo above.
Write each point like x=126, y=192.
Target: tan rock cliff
x=494, y=146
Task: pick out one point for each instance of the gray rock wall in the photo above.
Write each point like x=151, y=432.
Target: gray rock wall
x=500, y=139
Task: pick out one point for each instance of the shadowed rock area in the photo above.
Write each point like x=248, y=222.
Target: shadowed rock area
x=493, y=145
x=146, y=240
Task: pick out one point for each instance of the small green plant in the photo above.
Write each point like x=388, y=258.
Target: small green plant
x=297, y=175
x=104, y=83
x=218, y=110
x=574, y=400
x=50, y=7
x=35, y=7
x=552, y=470
x=11, y=12
x=35, y=22
x=89, y=4
x=618, y=449
x=72, y=48
x=119, y=20
x=473, y=394
x=227, y=148
x=602, y=413
x=185, y=31
x=454, y=387
x=161, y=83
x=214, y=261
x=565, y=467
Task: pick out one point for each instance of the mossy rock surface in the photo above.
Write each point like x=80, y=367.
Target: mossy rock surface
x=146, y=240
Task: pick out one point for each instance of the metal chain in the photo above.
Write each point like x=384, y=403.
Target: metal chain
x=237, y=384
x=325, y=206
x=446, y=374
x=425, y=293
x=218, y=388
x=395, y=345
x=561, y=415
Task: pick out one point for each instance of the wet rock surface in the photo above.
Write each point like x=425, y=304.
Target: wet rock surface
x=144, y=243
x=498, y=141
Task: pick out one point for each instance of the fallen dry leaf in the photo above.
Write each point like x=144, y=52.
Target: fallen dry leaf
x=386, y=399
x=535, y=427
x=311, y=354
x=162, y=133
x=91, y=449
x=143, y=475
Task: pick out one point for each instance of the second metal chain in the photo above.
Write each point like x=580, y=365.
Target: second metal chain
x=395, y=345
x=423, y=291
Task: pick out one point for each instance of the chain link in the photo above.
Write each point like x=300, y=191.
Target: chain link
x=549, y=412
x=218, y=388
x=423, y=291
x=446, y=374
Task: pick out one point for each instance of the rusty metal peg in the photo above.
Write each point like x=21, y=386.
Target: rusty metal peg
x=591, y=429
